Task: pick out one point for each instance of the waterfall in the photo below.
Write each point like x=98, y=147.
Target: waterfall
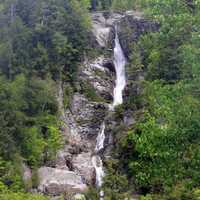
x=100, y=138
x=119, y=62
x=97, y=161
x=98, y=164
x=120, y=83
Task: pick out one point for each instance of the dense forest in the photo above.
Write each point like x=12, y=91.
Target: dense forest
x=44, y=41
x=41, y=43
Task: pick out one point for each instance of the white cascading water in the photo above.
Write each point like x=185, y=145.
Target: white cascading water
x=100, y=138
x=96, y=160
x=120, y=83
x=119, y=62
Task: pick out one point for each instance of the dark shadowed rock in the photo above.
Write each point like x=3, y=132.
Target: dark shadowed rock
x=130, y=28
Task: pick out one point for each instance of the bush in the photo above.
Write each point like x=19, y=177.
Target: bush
x=147, y=197
x=89, y=91
x=5, y=194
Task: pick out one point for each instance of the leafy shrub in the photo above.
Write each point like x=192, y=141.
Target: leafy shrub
x=90, y=92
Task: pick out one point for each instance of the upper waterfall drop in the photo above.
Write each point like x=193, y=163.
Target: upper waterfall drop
x=119, y=62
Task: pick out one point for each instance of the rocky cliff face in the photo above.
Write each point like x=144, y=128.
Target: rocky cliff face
x=73, y=169
x=131, y=27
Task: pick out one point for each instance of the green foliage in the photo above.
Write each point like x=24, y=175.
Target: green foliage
x=115, y=184
x=5, y=194
x=31, y=140
x=42, y=43
x=100, y=4
x=28, y=128
x=92, y=194
x=196, y=194
x=53, y=142
x=44, y=37
x=45, y=40
x=123, y=5
x=163, y=147
x=90, y=92
x=159, y=154
x=10, y=174
x=171, y=53
x=119, y=110
x=68, y=92
x=147, y=197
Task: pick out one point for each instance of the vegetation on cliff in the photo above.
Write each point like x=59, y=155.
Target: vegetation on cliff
x=41, y=43
x=44, y=41
x=159, y=154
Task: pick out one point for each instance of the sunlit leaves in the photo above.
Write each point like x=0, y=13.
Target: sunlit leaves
x=163, y=137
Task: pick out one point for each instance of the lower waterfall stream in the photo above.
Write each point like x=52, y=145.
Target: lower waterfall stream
x=120, y=83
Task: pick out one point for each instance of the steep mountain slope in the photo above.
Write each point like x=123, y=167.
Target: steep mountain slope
x=99, y=104
x=90, y=106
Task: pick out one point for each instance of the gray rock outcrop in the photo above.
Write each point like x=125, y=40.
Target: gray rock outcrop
x=88, y=115
x=56, y=181
x=82, y=164
x=100, y=74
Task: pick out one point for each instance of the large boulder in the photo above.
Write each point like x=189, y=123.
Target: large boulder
x=56, y=181
x=82, y=164
x=66, y=155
